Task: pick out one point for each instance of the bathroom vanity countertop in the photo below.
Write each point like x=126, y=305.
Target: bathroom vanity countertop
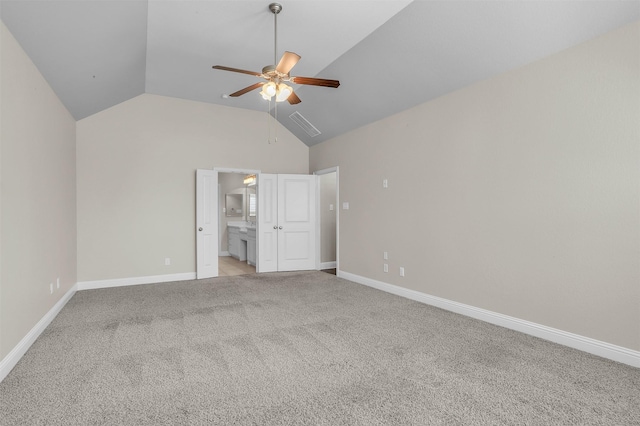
x=242, y=225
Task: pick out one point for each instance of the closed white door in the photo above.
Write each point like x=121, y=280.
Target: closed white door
x=286, y=222
x=206, y=223
x=267, y=223
x=296, y=222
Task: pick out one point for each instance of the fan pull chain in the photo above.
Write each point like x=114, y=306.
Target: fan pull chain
x=269, y=123
x=275, y=123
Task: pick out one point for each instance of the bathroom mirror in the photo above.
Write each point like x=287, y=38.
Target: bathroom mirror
x=233, y=205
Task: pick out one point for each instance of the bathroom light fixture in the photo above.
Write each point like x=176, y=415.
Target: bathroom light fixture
x=249, y=179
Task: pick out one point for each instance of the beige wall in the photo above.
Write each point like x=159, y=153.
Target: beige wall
x=519, y=194
x=136, y=179
x=38, y=203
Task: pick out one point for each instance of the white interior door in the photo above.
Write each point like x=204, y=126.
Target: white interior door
x=267, y=223
x=286, y=222
x=206, y=223
x=296, y=222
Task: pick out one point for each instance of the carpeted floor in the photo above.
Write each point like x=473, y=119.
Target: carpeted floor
x=302, y=348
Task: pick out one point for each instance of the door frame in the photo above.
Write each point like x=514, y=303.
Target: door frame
x=326, y=171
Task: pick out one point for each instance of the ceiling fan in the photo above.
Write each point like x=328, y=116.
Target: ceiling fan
x=278, y=75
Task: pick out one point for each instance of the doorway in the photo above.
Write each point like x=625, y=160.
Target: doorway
x=328, y=219
x=237, y=219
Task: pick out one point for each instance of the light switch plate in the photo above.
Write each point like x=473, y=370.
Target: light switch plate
x=345, y=205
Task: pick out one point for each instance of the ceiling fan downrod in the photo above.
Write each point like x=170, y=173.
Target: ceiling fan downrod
x=275, y=8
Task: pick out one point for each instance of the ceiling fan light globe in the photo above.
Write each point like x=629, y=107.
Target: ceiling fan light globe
x=283, y=92
x=269, y=89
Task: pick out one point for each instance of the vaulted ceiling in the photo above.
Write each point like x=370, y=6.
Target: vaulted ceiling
x=388, y=55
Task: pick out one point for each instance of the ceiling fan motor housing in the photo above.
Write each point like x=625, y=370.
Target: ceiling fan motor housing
x=275, y=8
x=271, y=73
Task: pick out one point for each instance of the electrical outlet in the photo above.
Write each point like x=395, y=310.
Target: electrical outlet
x=345, y=205
x=385, y=268
x=385, y=183
x=330, y=207
x=401, y=271
x=167, y=261
x=385, y=255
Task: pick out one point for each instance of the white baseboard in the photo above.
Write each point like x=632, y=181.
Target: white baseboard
x=12, y=358
x=328, y=265
x=585, y=344
x=224, y=253
x=119, y=282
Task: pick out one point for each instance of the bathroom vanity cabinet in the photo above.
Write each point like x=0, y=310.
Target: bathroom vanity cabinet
x=251, y=246
x=233, y=234
x=242, y=241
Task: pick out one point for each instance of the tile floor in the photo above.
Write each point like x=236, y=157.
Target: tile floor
x=229, y=266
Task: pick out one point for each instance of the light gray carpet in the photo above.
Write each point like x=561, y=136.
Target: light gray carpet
x=299, y=349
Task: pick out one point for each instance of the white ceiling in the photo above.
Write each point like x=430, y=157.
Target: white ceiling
x=388, y=55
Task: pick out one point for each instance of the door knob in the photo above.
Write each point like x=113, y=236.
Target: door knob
x=275, y=227
x=199, y=229
x=279, y=227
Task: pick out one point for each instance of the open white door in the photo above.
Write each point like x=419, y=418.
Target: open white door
x=296, y=222
x=267, y=223
x=206, y=223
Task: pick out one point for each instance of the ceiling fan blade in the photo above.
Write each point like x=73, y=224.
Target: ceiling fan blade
x=288, y=60
x=223, y=68
x=293, y=98
x=315, y=81
x=246, y=90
